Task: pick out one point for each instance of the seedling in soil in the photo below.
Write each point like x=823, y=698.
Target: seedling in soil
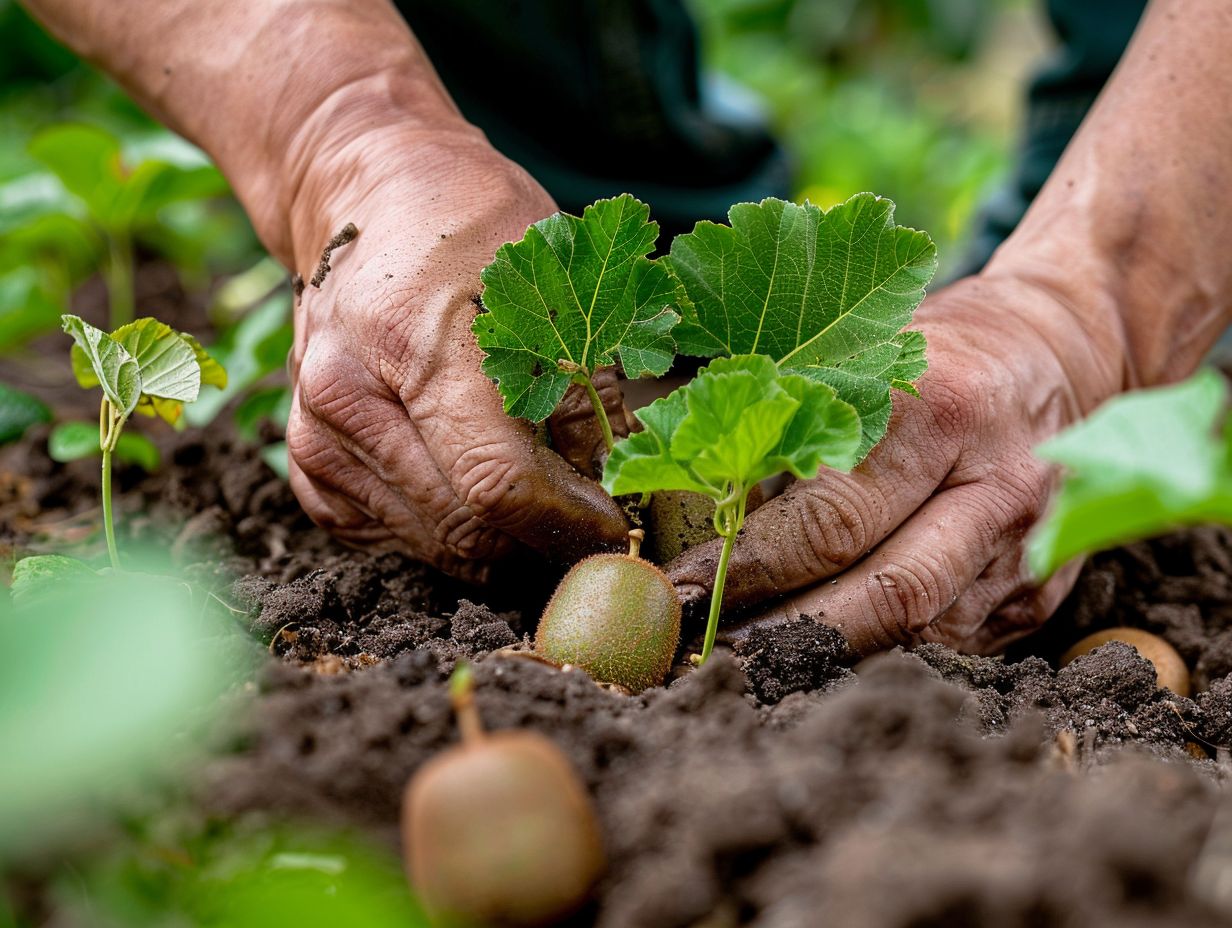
x=144, y=366
x=615, y=616
x=499, y=830
x=738, y=422
x=575, y=295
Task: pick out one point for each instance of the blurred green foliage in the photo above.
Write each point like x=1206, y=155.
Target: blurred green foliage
x=914, y=99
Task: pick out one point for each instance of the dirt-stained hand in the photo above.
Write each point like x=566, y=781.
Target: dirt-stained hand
x=397, y=440
x=924, y=541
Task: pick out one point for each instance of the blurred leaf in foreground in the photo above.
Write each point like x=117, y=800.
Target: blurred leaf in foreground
x=1142, y=464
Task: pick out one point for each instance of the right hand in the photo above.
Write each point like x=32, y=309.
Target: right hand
x=397, y=439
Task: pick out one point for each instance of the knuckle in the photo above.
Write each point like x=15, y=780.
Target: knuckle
x=329, y=388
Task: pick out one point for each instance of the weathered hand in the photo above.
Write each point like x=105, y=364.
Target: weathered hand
x=397, y=440
x=924, y=541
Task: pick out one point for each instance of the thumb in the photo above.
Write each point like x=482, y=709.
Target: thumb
x=574, y=428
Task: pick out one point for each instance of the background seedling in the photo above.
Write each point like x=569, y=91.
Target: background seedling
x=144, y=366
x=738, y=422
x=572, y=296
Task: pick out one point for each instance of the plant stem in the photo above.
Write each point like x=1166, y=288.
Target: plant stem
x=716, y=598
x=462, y=698
x=119, y=279
x=108, y=434
x=108, y=524
x=600, y=412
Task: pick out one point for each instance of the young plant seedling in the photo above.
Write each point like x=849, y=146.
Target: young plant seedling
x=117, y=199
x=499, y=830
x=740, y=421
x=615, y=616
x=575, y=295
x=144, y=366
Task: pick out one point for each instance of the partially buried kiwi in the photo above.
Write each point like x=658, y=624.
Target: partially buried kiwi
x=615, y=616
x=1170, y=668
x=499, y=830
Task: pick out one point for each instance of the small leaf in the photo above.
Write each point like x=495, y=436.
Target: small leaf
x=72, y=441
x=580, y=291
x=18, y=412
x=32, y=575
x=213, y=374
x=739, y=421
x=99, y=360
x=824, y=293
x=1140, y=465
x=168, y=362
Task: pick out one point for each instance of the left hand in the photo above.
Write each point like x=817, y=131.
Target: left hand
x=924, y=541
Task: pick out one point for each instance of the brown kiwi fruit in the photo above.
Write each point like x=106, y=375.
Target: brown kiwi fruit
x=615, y=616
x=1170, y=668
x=499, y=829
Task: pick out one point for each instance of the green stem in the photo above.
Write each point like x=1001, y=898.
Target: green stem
x=109, y=433
x=600, y=412
x=716, y=598
x=119, y=278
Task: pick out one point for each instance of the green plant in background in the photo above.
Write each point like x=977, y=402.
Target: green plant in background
x=144, y=366
x=1141, y=465
x=116, y=197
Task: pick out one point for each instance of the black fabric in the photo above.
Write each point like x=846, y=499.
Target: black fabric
x=596, y=97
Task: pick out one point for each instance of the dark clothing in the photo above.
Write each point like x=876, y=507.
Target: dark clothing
x=595, y=97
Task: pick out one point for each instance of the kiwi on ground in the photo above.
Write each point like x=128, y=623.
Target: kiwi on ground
x=1170, y=668
x=615, y=616
x=499, y=830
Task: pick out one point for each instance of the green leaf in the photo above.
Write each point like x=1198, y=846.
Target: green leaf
x=72, y=441
x=580, y=291
x=1142, y=464
x=168, y=362
x=213, y=374
x=739, y=421
x=28, y=306
x=99, y=360
x=19, y=411
x=824, y=293
x=87, y=161
x=32, y=575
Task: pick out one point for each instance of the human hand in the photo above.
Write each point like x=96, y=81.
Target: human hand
x=924, y=541
x=396, y=438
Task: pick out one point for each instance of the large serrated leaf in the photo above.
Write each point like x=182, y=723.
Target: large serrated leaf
x=580, y=291
x=813, y=289
x=1142, y=464
x=99, y=360
x=739, y=421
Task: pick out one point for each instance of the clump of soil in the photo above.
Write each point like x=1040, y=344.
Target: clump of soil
x=777, y=786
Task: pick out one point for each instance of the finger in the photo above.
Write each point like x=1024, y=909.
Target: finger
x=338, y=515
x=507, y=481
x=912, y=579
x=818, y=527
x=1022, y=613
x=576, y=433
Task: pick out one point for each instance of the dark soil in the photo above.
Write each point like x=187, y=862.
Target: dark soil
x=778, y=786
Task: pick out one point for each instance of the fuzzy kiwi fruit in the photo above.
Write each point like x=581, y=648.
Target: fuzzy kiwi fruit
x=499, y=830
x=1170, y=668
x=615, y=616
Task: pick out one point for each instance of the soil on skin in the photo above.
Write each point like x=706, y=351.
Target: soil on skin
x=776, y=787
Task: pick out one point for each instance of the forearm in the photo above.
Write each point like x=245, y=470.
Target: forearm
x=271, y=89
x=1131, y=231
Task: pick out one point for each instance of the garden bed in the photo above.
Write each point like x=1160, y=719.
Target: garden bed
x=777, y=786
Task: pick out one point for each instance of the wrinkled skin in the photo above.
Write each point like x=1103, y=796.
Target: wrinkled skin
x=397, y=440
x=924, y=541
